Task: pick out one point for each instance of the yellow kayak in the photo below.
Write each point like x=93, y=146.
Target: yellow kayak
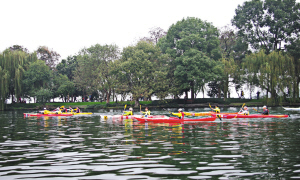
x=197, y=114
x=83, y=113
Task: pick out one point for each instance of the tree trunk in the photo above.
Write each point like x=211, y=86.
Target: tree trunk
x=192, y=91
x=136, y=102
x=108, y=93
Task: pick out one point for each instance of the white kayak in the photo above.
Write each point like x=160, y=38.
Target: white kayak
x=291, y=109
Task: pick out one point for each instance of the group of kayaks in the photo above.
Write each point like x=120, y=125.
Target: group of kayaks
x=200, y=116
x=57, y=112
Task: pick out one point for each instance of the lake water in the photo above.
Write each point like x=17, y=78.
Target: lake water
x=87, y=147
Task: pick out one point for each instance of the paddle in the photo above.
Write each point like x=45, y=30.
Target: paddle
x=125, y=107
x=256, y=110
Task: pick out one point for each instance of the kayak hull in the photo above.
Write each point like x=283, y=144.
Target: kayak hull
x=230, y=116
x=174, y=119
x=130, y=116
x=197, y=114
x=37, y=114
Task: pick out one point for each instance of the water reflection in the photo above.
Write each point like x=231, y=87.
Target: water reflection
x=88, y=147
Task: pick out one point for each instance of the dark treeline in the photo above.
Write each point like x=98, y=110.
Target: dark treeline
x=262, y=51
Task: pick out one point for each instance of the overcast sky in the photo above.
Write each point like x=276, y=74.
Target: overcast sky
x=66, y=26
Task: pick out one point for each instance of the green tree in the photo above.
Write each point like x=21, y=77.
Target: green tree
x=43, y=95
x=187, y=38
x=271, y=72
x=13, y=64
x=95, y=69
x=141, y=69
x=294, y=50
x=265, y=24
x=194, y=70
x=38, y=76
x=233, y=49
x=68, y=67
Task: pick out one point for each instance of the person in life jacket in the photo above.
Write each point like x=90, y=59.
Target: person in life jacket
x=58, y=111
x=265, y=111
x=77, y=110
x=244, y=111
x=147, y=112
x=127, y=113
x=180, y=114
x=70, y=109
x=217, y=109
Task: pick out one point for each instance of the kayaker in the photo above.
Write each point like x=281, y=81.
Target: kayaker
x=180, y=114
x=265, y=111
x=147, y=112
x=217, y=109
x=64, y=109
x=244, y=111
x=77, y=110
x=58, y=111
x=70, y=109
x=130, y=112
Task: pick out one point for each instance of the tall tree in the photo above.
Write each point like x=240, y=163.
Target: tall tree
x=95, y=69
x=186, y=37
x=271, y=72
x=50, y=57
x=266, y=24
x=13, y=64
x=294, y=50
x=37, y=77
x=140, y=69
x=233, y=49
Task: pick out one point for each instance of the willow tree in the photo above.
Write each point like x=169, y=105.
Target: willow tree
x=4, y=82
x=273, y=72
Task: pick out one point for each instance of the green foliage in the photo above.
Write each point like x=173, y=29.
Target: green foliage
x=192, y=44
x=141, y=69
x=43, y=95
x=191, y=33
x=36, y=77
x=264, y=24
x=13, y=64
x=273, y=72
x=94, y=71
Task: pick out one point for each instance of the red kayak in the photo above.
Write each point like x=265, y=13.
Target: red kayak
x=130, y=116
x=230, y=116
x=174, y=119
x=38, y=114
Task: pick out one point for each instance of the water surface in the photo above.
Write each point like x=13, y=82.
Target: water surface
x=88, y=147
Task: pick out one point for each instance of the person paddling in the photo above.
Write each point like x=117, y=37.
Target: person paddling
x=127, y=113
x=147, y=112
x=77, y=110
x=244, y=111
x=265, y=111
x=180, y=114
x=217, y=109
